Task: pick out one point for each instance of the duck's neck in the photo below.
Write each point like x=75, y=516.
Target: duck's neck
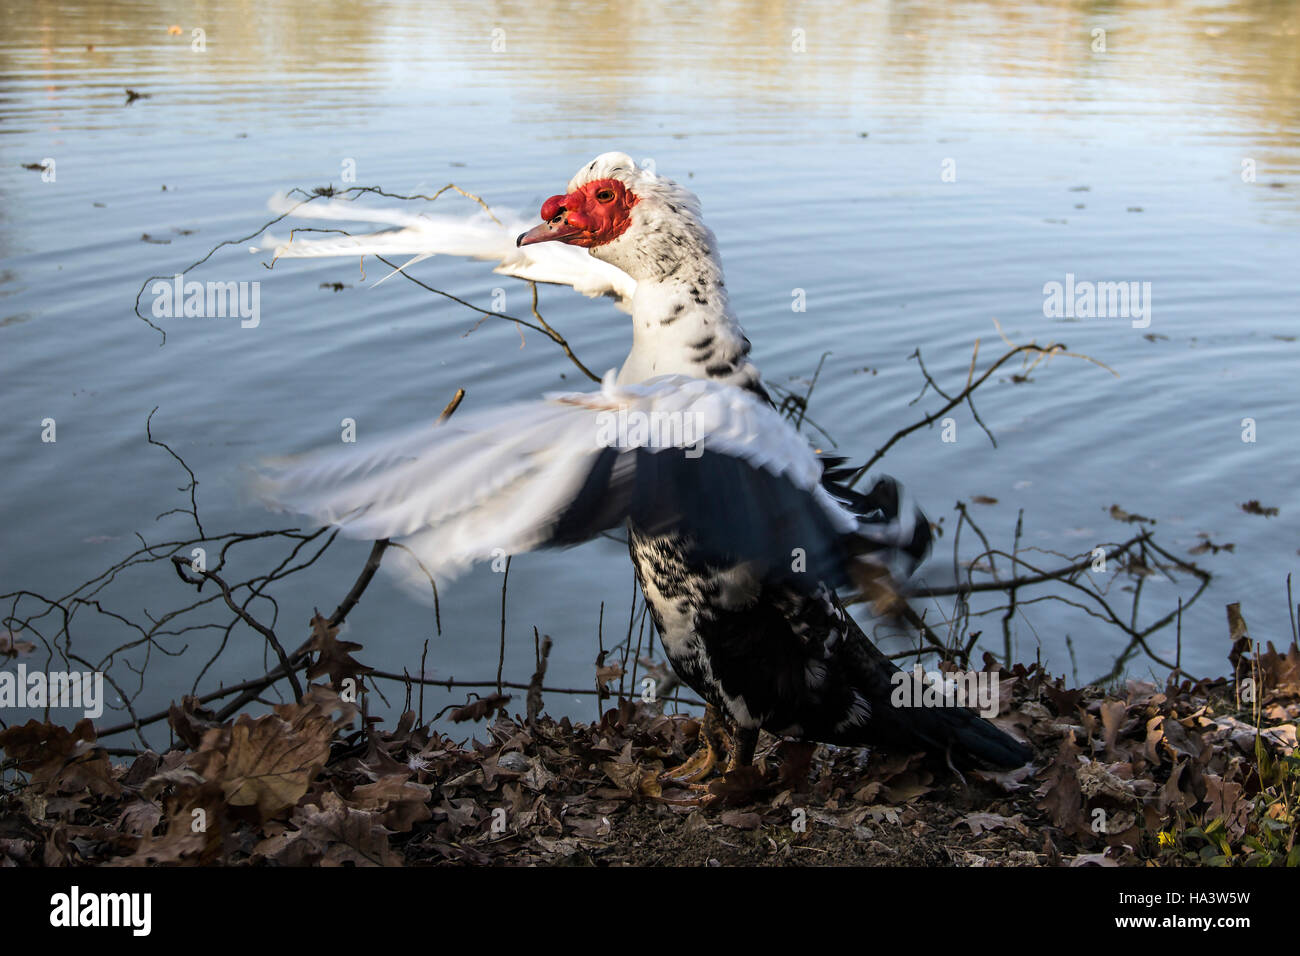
x=682, y=323
x=686, y=327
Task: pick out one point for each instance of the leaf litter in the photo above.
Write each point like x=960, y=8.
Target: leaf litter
x=1177, y=774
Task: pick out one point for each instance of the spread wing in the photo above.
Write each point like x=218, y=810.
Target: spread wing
x=674, y=454
x=421, y=235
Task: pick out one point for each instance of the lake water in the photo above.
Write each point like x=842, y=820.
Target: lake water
x=917, y=169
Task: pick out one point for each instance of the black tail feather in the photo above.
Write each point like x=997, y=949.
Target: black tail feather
x=956, y=733
x=962, y=736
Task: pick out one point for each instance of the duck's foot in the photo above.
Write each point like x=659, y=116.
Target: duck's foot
x=713, y=740
x=738, y=780
x=696, y=768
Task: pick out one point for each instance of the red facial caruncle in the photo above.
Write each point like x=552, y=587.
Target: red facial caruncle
x=592, y=215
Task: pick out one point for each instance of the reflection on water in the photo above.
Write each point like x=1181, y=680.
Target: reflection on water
x=1188, y=67
x=1107, y=140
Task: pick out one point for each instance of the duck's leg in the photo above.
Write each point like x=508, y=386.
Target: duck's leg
x=744, y=740
x=713, y=742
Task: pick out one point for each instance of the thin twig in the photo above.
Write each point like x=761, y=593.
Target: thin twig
x=501, y=656
x=955, y=400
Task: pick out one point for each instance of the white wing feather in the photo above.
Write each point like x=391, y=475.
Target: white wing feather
x=500, y=479
x=475, y=237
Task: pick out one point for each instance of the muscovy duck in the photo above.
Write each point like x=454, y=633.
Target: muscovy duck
x=740, y=534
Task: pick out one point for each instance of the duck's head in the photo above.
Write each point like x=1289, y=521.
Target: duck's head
x=629, y=216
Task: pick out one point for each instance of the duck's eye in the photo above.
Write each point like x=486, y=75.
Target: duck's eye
x=604, y=195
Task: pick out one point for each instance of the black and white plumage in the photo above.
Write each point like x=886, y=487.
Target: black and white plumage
x=673, y=456
x=740, y=534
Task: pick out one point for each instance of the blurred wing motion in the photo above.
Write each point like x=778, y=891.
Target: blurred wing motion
x=674, y=455
x=475, y=237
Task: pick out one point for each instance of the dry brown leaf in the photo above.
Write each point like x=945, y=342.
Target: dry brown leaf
x=190, y=721
x=266, y=763
x=194, y=834
x=479, y=709
x=1060, y=793
x=632, y=778
x=1227, y=800
x=1113, y=713
x=61, y=760
x=1280, y=673
x=345, y=835
x=139, y=817
x=333, y=657
x=1181, y=741
x=1065, y=701
x=402, y=802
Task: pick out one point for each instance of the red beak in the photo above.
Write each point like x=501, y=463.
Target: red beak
x=556, y=229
